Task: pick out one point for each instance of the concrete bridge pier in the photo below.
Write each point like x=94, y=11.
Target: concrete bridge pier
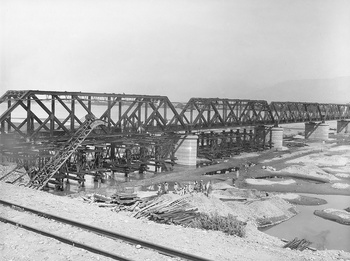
x=276, y=138
x=316, y=131
x=272, y=136
x=343, y=126
x=186, y=152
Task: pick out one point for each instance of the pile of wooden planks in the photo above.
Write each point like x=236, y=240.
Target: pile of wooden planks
x=167, y=210
x=298, y=244
x=118, y=201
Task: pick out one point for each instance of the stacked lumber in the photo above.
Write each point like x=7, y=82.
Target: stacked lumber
x=117, y=202
x=298, y=244
x=167, y=210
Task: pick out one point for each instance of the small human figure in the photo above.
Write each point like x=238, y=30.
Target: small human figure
x=159, y=191
x=166, y=187
x=196, y=186
x=176, y=187
x=201, y=186
x=190, y=188
x=207, y=188
x=185, y=190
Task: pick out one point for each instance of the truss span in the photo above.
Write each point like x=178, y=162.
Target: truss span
x=36, y=114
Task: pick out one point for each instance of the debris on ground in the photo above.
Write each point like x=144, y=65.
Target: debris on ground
x=293, y=144
x=298, y=244
x=269, y=168
x=167, y=209
x=118, y=201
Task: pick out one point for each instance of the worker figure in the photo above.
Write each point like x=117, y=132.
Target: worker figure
x=176, y=187
x=166, y=187
x=160, y=191
x=201, y=186
x=207, y=188
x=185, y=189
x=190, y=188
x=196, y=186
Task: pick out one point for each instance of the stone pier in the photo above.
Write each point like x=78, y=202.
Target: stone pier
x=343, y=126
x=277, y=138
x=187, y=150
x=316, y=131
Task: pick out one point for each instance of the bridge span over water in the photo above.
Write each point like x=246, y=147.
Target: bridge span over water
x=31, y=113
x=59, y=136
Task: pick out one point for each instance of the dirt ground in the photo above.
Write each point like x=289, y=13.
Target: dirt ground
x=318, y=165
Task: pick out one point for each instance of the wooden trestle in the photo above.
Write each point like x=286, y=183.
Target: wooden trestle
x=37, y=129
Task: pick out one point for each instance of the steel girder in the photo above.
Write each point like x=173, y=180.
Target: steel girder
x=32, y=114
x=288, y=112
x=212, y=113
x=61, y=113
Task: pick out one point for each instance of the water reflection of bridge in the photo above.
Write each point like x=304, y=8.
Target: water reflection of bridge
x=143, y=130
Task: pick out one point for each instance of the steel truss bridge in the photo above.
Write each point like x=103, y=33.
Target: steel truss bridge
x=38, y=128
x=36, y=113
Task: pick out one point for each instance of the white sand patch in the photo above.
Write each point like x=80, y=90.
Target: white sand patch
x=221, y=186
x=288, y=196
x=340, y=148
x=146, y=194
x=340, y=185
x=339, y=212
x=286, y=156
x=246, y=155
x=321, y=159
x=343, y=169
x=269, y=182
x=309, y=170
x=299, y=137
x=342, y=175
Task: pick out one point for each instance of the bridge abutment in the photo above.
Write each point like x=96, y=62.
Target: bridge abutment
x=186, y=153
x=343, y=126
x=316, y=131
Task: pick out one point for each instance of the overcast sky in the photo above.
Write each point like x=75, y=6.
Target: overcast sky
x=177, y=48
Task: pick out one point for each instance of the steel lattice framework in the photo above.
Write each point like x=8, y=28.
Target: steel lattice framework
x=213, y=113
x=33, y=114
x=288, y=112
x=63, y=112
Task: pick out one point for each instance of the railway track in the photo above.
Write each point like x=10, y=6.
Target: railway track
x=83, y=234
x=15, y=176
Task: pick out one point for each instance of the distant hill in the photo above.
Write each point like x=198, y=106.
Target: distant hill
x=336, y=90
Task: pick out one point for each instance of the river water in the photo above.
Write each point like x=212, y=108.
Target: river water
x=324, y=234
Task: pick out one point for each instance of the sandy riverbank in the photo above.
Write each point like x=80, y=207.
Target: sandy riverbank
x=311, y=170
x=255, y=246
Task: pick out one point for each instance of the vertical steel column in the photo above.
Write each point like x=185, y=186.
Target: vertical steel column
x=165, y=113
x=72, y=113
x=9, y=116
x=146, y=111
x=52, y=116
x=120, y=115
x=109, y=113
x=89, y=103
x=30, y=126
x=139, y=115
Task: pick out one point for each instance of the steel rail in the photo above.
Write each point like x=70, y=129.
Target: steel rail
x=100, y=231
x=65, y=240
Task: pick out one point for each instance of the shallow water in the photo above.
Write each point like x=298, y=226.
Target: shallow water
x=107, y=186
x=324, y=234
